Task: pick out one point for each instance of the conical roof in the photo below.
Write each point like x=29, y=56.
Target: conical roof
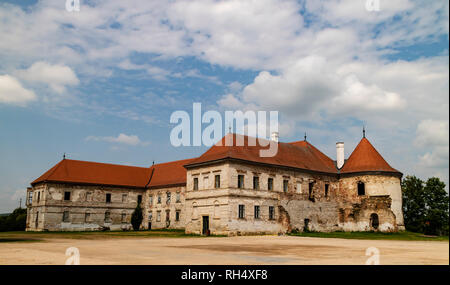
x=365, y=158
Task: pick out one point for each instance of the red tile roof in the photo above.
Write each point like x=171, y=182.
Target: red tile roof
x=300, y=155
x=365, y=158
x=169, y=173
x=86, y=172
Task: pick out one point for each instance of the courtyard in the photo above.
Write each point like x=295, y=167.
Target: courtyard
x=174, y=247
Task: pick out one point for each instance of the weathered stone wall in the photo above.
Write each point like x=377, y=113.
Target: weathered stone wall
x=375, y=185
x=157, y=210
x=87, y=208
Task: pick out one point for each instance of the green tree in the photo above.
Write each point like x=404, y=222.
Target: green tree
x=436, y=200
x=137, y=217
x=16, y=221
x=425, y=205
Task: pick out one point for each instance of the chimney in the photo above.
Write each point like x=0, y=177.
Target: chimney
x=274, y=136
x=339, y=154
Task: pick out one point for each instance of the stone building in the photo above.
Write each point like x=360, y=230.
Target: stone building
x=230, y=189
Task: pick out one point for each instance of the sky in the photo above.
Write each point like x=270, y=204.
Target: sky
x=100, y=84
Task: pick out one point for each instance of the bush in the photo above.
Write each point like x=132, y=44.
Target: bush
x=137, y=217
x=16, y=221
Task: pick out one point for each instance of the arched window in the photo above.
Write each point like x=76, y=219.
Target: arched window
x=361, y=188
x=374, y=222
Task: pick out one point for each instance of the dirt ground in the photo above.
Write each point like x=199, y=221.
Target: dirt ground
x=229, y=250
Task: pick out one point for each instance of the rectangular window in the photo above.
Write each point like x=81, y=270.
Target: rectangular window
x=159, y=198
x=67, y=196
x=327, y=186
x=39, y=196
x=270, y=184
x=217, y=181
x=107, y=216
x=108, y=198
x=255, y=182
x=178, y=197
x=240, y=181
x=124, y=217
x=87, y=217
x=168, y=197
x=256, y=212
x=30, y=198
x=66, y=216
x=241, y=211
x=158, y=216
x=177, y=216
x=124, y=198
x=285, y=185
x=310, y=189
x=139, y=200
x=299, y=187
x=271, y=213
x=196, y=183
x=150, y=200
x=167, y=215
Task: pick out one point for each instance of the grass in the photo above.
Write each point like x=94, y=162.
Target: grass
x=37, y=236
x=373, y=236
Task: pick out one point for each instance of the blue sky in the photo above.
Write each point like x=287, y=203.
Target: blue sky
x=100, y=84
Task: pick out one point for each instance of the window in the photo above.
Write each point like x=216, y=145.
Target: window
x=107, y=216
x=240, y=181
x=327, y=186
x=167, y=215
x=66, y=216
x=158, y=216
x=39, y=196
x=87, y=217
x=178, y=197
x=299, y=187
x=159, y=198
x=66, y=196
x=241, y=211
x=255, y=182
x=139, y=199
x=150, y=216
x=271, y=213
x=310, y=189
x=217, y=181
x=196, y=183
x=256, y=212
x=270, y=184
x=150, y=200
x=124, y=217
x=30, y=198
x=285, y=185
x=124, y=198
x=108, y=198
x=361, y=189
x=168, y=195
x=177, y=216
x=89, y=196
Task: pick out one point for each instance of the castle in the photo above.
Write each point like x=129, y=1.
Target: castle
x=228, y=190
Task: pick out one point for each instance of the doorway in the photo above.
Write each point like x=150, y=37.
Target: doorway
x=374, y=221
x=205, y=228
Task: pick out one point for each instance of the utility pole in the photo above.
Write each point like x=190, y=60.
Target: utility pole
x=20, y=203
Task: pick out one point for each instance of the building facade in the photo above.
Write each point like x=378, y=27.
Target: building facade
x=228, y=190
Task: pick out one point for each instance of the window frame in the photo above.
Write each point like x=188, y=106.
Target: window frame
x=270, y=184
x=241, y=211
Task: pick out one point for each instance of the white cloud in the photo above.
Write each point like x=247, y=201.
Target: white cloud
x=58, y=77
x=120, y=139
x=432, y=136
x=12, y=92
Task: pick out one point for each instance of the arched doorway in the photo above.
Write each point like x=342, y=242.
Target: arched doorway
x=374, y=221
